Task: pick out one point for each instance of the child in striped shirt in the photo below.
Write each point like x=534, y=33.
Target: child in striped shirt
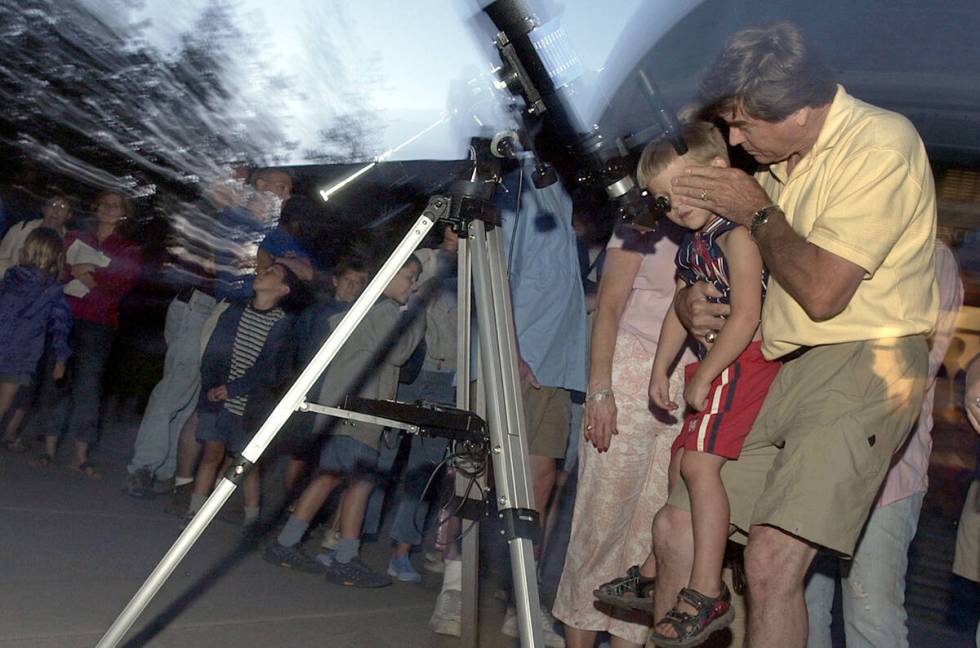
x=244, y=356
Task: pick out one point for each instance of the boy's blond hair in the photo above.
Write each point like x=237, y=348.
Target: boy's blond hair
x=43, y=249
x=704, y=143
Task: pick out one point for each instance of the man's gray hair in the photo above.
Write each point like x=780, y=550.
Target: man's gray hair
x=768, y=72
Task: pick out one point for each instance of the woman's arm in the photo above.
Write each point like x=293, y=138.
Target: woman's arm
x=618, y=275
x=745, y=279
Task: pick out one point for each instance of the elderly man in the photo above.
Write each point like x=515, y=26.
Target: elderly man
x=843, y=211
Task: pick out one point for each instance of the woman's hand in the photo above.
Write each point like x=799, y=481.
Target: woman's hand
x=600, y=422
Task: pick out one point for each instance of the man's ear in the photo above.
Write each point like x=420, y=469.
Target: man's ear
x=801, y=116
x=719, y=162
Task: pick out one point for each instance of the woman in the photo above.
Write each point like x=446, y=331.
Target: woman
x=96, y=313
x=622, y=479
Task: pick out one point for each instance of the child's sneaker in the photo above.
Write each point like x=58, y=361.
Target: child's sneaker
x=138, y=484
x=326, y=558
x=356, y=574
x=292, y=557
x=447, y=617
x=433, y=562
x=401, y=569
x=180, y=499
x=511, y=628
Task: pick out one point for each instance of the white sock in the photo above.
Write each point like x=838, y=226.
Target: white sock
x=452, y=578
x=180, y=481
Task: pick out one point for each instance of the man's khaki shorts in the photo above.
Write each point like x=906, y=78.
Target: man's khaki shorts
x=547, y=416
x=824, y=439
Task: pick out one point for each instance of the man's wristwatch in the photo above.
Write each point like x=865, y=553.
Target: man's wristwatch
x=760, y=218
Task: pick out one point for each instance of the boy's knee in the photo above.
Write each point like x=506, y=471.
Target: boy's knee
x=213, y=452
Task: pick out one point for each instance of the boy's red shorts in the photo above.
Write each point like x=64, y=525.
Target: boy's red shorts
x=734, y=400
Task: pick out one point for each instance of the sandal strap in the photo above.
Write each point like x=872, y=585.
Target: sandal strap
x=699, y=601
x=624, y=584
x=687, y=625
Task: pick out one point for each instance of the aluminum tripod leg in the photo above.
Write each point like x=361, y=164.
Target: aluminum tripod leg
x=469, y=594
x=505, y=415
x=277, y=418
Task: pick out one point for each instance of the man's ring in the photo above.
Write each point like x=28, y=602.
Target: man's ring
x=711, y=336
x=704, y=195
x=588, y=427
x=977, y=401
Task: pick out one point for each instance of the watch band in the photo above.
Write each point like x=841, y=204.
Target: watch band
x=760, y=218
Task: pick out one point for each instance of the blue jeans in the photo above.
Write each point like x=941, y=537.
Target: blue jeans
x=174, y=398
x=873, y=583
x=409, y=522
x=433, y=387
x=76, y=406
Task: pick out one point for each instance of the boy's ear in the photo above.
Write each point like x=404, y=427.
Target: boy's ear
x=719, y=162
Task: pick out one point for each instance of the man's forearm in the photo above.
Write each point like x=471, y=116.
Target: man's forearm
x=791, y=260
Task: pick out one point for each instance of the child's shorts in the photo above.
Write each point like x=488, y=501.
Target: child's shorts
x=734, y=400
x=222, y=426
x=347, y=456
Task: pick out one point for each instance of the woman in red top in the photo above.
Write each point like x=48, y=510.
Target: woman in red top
x=96, y=314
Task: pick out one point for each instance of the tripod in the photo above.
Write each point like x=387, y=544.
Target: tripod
x=466, y=211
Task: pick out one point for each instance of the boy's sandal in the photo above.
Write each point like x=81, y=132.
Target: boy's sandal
x=711, y=615
x=43, y=460
x=631, y=592
x=87, y=469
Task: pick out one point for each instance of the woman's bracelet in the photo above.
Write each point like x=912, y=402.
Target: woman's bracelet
x=600, y=394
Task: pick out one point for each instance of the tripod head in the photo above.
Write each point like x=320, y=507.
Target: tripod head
x=473, y=199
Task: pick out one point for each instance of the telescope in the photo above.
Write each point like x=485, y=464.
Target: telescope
x=539, y=65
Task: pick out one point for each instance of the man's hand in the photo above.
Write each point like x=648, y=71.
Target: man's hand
x=697, y=314
x=732, y=193
x=218, y=394
x=59, y=371
x=524, y=371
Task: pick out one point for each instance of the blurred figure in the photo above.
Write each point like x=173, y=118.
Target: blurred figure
x=165, y=452
x=32, y=306
x=54, y=215
x=244, y=356
x=349, y=277
x=873, y=581
x=966, y=562
x=433, y=383
x=96, y=313
x=366, y=366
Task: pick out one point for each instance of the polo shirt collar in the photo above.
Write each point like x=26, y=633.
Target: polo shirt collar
x=830, y=134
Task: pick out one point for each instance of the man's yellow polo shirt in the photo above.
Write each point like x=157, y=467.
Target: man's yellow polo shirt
x=865, y=193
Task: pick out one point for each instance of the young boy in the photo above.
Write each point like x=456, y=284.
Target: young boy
x=243, y=358
x=367, y=366
x=349, y=277
x=725, y=389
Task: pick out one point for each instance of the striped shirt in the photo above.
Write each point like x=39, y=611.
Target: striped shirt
x=700, y=258
x=253, y=329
